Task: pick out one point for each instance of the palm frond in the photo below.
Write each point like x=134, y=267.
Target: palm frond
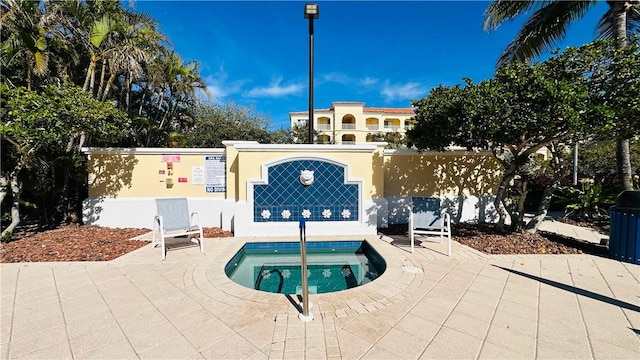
x=500, y=11
x=41, y=63
x=100, y=30
x=633, y=20
x=546, y=27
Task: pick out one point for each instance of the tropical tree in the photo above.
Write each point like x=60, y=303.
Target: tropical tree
x=521, y=110
x=394, y=140
x=38, y=129
x=214, y=124
x=171, y=87
x=547, y=26
x=300, y=134
x=29, y=39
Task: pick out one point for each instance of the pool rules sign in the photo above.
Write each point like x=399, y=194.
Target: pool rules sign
x=215, y=173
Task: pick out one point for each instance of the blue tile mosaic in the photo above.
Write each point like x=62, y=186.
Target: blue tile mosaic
x=284, y=199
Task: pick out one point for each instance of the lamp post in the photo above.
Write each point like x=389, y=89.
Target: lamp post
x=311, y=12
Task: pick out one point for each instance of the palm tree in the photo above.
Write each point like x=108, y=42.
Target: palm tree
x=547, y=26
x=174, y=84
x=27, y=37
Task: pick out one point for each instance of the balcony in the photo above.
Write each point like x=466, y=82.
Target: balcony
x=348, y=142
x=373, y=127
x=348, y=126
x=323, y=127
x=391, y=127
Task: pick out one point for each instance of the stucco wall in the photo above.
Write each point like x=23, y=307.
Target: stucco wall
x=409, y=173
x=124, y=173
x=465, y=181
x=364, y=162
x=123, y=183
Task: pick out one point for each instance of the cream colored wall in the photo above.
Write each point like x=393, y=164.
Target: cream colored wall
x=359, y=164
x=441, y=174
x=127, y=173
x=130, y=173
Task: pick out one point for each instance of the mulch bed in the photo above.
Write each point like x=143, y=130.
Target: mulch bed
x=484, y=238
x=77, y=243
x=93, y=243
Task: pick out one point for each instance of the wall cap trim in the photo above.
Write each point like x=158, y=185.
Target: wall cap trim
x=368, y=147
x=441, y=153
x=207, y=151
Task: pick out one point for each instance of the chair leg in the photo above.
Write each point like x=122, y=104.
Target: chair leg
x=164, y=248
x=201, y=241
x=412, y=238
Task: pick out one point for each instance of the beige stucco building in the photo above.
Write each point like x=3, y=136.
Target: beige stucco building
x=351, y=122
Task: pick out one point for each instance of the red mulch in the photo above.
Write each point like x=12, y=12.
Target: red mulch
x=94, y=243
x=484, y=238
x=77, y=243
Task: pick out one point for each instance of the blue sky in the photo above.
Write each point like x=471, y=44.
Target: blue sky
x=255, y=54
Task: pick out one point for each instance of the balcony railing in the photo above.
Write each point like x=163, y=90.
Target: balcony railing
x=348, y=126
x=392, y=127
x=408, y=127
x=323, y=127
x=348, y=142
x=373, y=127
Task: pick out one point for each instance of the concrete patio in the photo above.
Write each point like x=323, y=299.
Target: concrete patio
x=426, y=305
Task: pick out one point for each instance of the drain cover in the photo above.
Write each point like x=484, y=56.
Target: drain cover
x=412, y=269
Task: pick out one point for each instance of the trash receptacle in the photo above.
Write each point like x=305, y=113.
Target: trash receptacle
x=624, y=234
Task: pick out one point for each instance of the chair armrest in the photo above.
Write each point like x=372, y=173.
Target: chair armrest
x=158, y=220
x=197, y=217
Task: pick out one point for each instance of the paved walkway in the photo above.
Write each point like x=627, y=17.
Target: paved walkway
x=426, y=305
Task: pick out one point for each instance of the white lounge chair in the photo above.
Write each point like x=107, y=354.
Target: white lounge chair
x=172, y=220
x=426, y=218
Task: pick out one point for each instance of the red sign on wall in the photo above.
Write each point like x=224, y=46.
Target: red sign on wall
x=170, y=158
x=182, y=179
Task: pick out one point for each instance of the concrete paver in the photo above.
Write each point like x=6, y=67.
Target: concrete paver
x=425, y=305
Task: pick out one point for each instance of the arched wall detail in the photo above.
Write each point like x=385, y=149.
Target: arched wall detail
x=280, y=195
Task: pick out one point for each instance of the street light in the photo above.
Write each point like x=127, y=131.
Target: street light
x=311, y=11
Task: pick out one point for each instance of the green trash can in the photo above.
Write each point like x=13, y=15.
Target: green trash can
x=624, y=234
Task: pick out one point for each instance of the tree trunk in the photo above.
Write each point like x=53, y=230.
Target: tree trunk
x=90, y=70
x=547, y=195
x=4, y=187
x=518, y=219
x=112, y=78
x=16, y=188
x=501, y=194
x=543, y=209
x=623, y=158
x=624, y=164
x=101, y=86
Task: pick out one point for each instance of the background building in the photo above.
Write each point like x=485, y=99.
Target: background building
x=352, y=122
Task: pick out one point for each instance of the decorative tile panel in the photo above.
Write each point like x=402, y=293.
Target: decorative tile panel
x=285, y=198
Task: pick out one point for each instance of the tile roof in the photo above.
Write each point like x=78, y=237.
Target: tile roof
x=390, y=110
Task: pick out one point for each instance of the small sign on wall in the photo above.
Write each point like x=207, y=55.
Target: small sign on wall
x=197, y=175
x=215, y=174
x=182, y=179
x=170, y=158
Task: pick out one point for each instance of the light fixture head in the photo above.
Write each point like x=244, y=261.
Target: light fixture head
x=311, y=11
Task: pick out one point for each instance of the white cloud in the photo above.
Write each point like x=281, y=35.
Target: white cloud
x=220, y=88
x=346, y=79
x=335, y=78
x=368, y=81
x=406, y=91
x=276, y=89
